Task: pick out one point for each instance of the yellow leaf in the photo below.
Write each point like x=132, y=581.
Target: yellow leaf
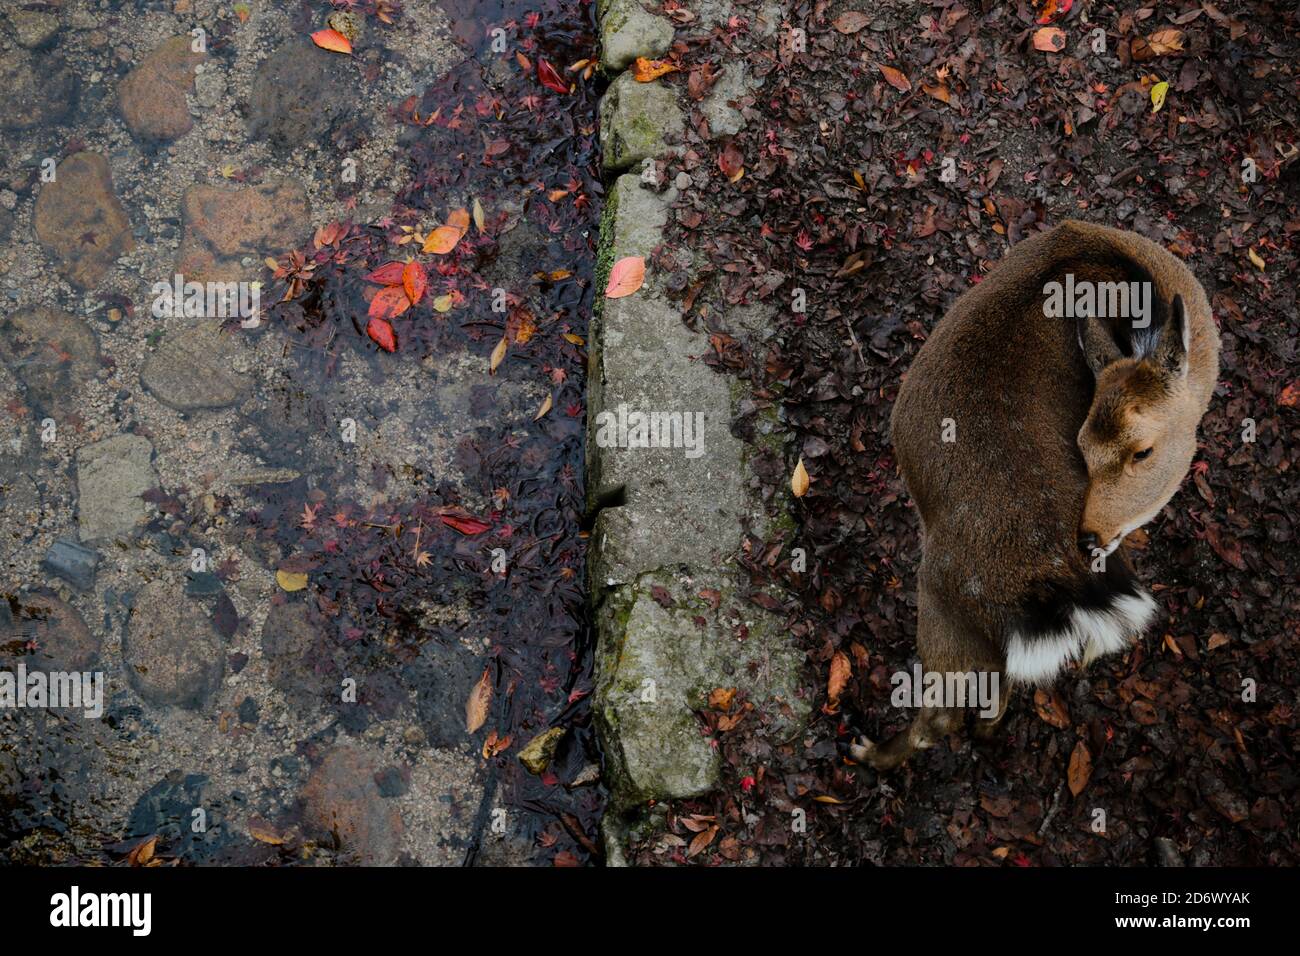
x=291, y=580
x=546, y=407
x=799, y=480
x=478, y=216
x=444, y=302
x=263, y=832
x=827, y=798
x=460, y=219
x=574, y=339
x=1255, y=258
x=648, y=70
x=480, y=697
x=498, y=354
x=1158, y=96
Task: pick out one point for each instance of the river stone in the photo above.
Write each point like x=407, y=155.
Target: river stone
x=111, y=477
x=173, y=654
x=636, y=122
x=73, y=563
x=192, y=369
x=628, y=30
x=297, y=663
x=733, y=85
x=54, y=355
x=36, y=93
x=33, y=28
x=300, y=94
x=80, y=221
x=537, y=754
x=226, y=225
x=62, y=640
x=343, y=804
x=152, y=96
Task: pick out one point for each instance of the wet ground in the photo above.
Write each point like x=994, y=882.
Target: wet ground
x=328, y=561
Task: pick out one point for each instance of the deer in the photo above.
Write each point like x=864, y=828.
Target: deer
x=1034, y=432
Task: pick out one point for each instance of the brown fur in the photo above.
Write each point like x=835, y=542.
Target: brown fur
x=1003, y=505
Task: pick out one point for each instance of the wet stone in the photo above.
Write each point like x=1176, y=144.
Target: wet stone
x=297, y=664
x=172, y=652
x=55, y=630
x=537, y=754
x=152, y=96
x=192, y=370
x=33, y=28
x=223, y=226
x=54, y=355
x=166, y=810
x=73, y=563
x=637, y=121
x=112, y=475
x=202, y=584
x=38, y=91
x=80, y=220
x=343, y=805
x=301, y=94
x=628, y=30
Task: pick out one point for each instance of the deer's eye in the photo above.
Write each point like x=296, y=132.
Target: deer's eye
x=1142, y=455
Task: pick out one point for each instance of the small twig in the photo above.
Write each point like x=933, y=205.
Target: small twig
x=1056, y=805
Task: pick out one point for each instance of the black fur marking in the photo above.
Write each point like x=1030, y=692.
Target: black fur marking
x=1048, y=607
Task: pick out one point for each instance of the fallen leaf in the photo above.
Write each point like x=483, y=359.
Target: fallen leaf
x=263, y=832
x=732, y=163
x=647, y=71
x=389, y=302
x=465, y=524
x=332, y=40
x=478, y=216
x=1158, y=96
x=1051, y=708
x=850, y=21
x=841, y=671
x=896, y=79
x=459, y=218
x=799, y=481
x=382, y=333
x=443, y=303
x=390, y=273
x=142, y=853
x=546, y=407
x=414, y=280
x=1290, y=395
x=1080, y=768
x=442, y=240
x=702, y=840
x=626, y=277
x=549, y=78
x=1165, y=41
x=291, y=580
x=1256, y=259
x=476, y=708
x=1049, y=39
x=498, y=354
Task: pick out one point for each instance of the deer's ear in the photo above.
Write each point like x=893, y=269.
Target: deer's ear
x=1097, y=342
x=1170, y=351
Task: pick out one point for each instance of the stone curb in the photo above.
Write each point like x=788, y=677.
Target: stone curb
x=670, y=610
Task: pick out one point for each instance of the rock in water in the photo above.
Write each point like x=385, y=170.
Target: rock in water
x=224, y=226
x=192, y=369
x=53, y=354
x=152, y=96
x=536, y=756
x=112, y=475
x=343, y=803
x=55, y=632
x=172, y=652
x=79, y=219
x=73, y=563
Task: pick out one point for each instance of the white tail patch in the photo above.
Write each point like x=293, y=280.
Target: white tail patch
x=1090, y=635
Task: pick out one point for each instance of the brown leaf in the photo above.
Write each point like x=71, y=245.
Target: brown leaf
x=896, y=79
x=841, y=671
x=1051, y=708
x=851, y=21
x=1080, y=768
x=799, y=480
x=476, y=708
x=702, y=840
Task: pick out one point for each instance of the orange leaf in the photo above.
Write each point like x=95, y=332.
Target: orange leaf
x=390, y=273
x=1080, y=768
x=626, y=277
x=841, y=671
x=940, y=93
x=460, y=219
x=1290, y=395
x=476, y=708
x=332, y=40
x=896, y=79
x=443, y=239
x=1049, y=39
x=649, y=70
x=799, y=481
x=389, y=302
x=414, y=281
x=382, y=333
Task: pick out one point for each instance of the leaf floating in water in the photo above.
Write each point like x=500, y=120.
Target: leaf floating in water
x=442, y=240
x=414, y=280
x=332, y=40
x=388, y=303
x=465, y=524
x=390, y=273
x=541, y=412
x=383, y=334
x=291, y=580
x=476, y=708
x=549, y=78
x=498, y=354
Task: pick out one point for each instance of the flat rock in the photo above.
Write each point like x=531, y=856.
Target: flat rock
x=53, y=354
x=152, y=96
x=33, y=28
x=223, y=226
x=191, y=369
x=301, y=94
x=343, y=804
x=297, y=660
x=173, y=655
x=38, y=92
x=73, y=563
x=628, y=30
x=80, y=220
x=112, y=475
x=725, y=118
x=637, y=121
x=56, y=630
